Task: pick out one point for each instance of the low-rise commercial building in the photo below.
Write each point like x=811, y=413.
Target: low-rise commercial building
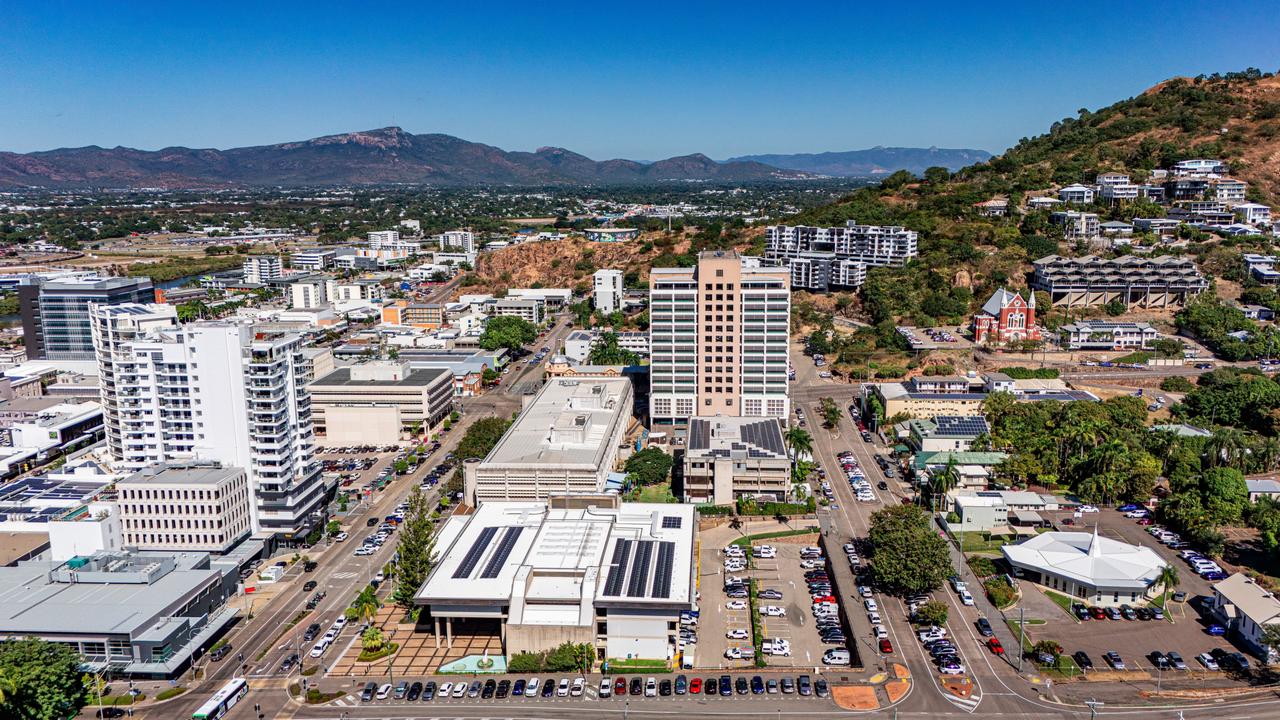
x=1087, y=567
x=369, y=403
x=732, y=457
x=1107, y=335
x=579, y=568
x=947, y=432
x=566, y=440
x=427, y=316
x=1247, y=610
x=139, y=615
x=529, y=309
x=180, y=506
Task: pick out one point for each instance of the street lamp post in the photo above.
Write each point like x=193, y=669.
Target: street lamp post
x=1093, y=708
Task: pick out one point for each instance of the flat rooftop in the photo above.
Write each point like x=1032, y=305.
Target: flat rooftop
x=415, y=378
x=184, y=474
x=569, y=422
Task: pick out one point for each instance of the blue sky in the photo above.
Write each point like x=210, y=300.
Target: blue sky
x=637, y=80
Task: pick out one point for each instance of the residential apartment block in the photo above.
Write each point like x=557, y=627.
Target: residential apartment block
x=1077, y=225
x=262, y=269
x=824, y=257
x=1077, y=194
x=1089, y=281
x=185, y=507
x=607, y=290
x=530, y=309
x=374, y=402
x=463, y=240
x=112, y=328
x=718, y=336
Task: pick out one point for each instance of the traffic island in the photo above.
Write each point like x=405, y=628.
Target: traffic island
x=855, y=697
x=961, y=687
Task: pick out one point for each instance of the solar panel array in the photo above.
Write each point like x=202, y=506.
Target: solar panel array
x=640, y=569
x=765, y=434
x=617, y=567
x=473, y=555
x=699, y=434
x=499, y=558
x=662, y=573
x=961, y=425
x=672, y=522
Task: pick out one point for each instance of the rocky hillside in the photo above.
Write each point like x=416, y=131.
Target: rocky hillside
x=873, y=161
x=374, y=157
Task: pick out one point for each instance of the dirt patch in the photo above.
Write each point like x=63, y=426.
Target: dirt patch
x=897, y=689
x=960, y=687
x=856, y=697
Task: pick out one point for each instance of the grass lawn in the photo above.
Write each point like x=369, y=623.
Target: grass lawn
x=1060, y=600
x=979, y=542
x=746, y=540
x=660, y=493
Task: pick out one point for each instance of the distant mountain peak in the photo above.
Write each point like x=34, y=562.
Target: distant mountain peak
x=879, y=160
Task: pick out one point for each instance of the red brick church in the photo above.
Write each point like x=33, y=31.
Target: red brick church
x=1006, y=317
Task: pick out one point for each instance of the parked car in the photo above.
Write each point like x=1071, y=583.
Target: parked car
x=1083, y=661
x=1114, y=660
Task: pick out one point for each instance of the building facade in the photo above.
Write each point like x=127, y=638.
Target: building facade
x=185, y=507
x=55, y=313
x=1006, y=317
x=1088, y=281
x=262, y=269
x=607, y=290
x=718, y=339
x=732, y=457
x=820, y=258
x=374, y=402
x=113, y=327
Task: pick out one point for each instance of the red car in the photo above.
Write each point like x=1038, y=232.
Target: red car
x=995, y=646
x=695, y=686
x=886, y=647
x=824, y=598
x=1097, y=613
x=1144, y=521
x=620, y=686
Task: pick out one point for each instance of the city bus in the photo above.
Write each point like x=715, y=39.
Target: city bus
x=222, y=701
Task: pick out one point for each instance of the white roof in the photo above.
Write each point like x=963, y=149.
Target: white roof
x=569, y=422
x=1088, y=558
x=1249, y=598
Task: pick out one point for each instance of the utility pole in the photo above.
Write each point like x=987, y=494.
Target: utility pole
x=1094, y=705
x=1022, y=636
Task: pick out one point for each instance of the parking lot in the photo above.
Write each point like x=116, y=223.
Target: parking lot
x=785, y=574
x=717, y=621
x=1134, y=640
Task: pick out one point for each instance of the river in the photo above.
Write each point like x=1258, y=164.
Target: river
x=15, y=320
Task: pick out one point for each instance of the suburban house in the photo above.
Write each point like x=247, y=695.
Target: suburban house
x=1246, y=609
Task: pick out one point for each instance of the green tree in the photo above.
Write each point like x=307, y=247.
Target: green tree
x=830, y=413
x=333, y=528
x=481, y=437
x=365, y=607
x=43, y=679
x=416, y=548
x=373, y=639
x=607, y=352
x=1225, y=495
x=509, y=332
x=1168, y=580
x=907, y=556
x=800, y=441
x=648, y=467
x=1176, y=383
x=489, y=376
x=933, y=612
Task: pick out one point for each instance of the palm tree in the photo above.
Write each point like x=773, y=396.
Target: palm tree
x=799, y=440
x=1168, y=577
x=366, y=605
x=1226, y=447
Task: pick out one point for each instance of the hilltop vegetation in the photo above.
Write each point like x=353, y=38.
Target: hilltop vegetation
x=964, y=256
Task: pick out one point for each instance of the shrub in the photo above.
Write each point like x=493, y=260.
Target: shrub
x=1176, y=383
x=999, y=593
x=933, y=612
x=983, y=567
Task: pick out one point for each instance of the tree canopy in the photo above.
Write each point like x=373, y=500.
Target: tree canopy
x=507, y=331
x=607, y=352
x=45, y=680
x=481, y=437
x=907, y=555
x=416, y=549
x=648, y=467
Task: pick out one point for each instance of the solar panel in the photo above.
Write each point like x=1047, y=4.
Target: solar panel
x=640, y=569
x=494, y=566
x=662, y=573
x=621, y=554
x=473, y=555
x=672, y=522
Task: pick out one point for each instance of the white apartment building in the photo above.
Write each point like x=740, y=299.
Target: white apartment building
x=1112, y=178
x=1228, y=190
x=1253, y=213
x=1199, y=168
x=312, y=259
x=1078, y=194
x=531, y=309
x=309, y=294
x=465, y=240
x=822, y=257
x=112, y=327
x=565, y=440
x=718, y=339
x=1077, y=225
x=1119, y=192
x=382, y=238
x=185, y=507
x=262, y=269
x=349, y=291
x=222, y=391
x=607, y=290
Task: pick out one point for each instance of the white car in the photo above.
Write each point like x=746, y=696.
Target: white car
x=1088, y=509
x=966, y=598
x=733, y=653
x=737, y=634
x=651, y=688
x=530, y=688
x=1207, y=661
x=606, y=687
x=384, y=691
x=459, y=689
x=445, y=689
x=864, y=591
x=340, y=623
x=773, y=611
x=562, y=690
x=319, y=648
x=879, y=632
x=735, y=605
x=765, y=551
x=870, y=605
x=873, y=618
x=579, y=684
x=955, y=669
x=340, y=537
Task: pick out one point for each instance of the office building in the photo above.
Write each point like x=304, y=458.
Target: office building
x=1108, y=335
x=55, y=313
x=734, y=457
x=565, y=440
x=458, y=240
x=112, y=327
x=262, y=269
x=310, y=293
x=228, y=392
x=530, y=309
x=820, y=258
x=375, y=402
x=607, y=290
x=718, y=336
x=1088, y=281
x=138, y=615
x=426, y=316
x=194, y=506
x=581, y=569
x=1095, y=569
x=312, y=260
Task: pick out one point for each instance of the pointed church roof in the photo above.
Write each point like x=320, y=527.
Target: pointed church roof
x=1001, y=299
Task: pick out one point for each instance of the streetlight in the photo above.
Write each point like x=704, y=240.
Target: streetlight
x=1093, y=706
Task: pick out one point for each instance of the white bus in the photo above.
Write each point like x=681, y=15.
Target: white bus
x=222, y=701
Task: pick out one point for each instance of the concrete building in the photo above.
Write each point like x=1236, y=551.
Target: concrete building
x=367, y=290
x=55, y=313
x=732, y=457
x=578, y=345
x=262, y=269
x=183, y=507
x=1088, y=281
x=607, y=290
x=1246, y=609
x=1006, y=317
x=555, y=299
x=565, y=440
x=375, y=402
x=1263, y=487
x=1087, y=567
x=113, y=327
x=580, y=568
x=138, y=615
x=1199, y=167
x=310, y=293
x=1077, y=225
x=229, y=392
x=718, y=335
x=1077, y=194
x=459, y=240
x=58, y=430
x=1253, y=213
x=1108, y=335
x=530, y=309
x=820, y=258
x=426, y=316
x=1262, y=268
x=312, y=259
x=947, y=432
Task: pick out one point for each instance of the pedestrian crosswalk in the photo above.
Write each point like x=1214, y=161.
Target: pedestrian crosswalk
x=968, y=704
x=343, y=575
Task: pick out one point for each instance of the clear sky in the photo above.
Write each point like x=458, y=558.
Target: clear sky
x=607, y=79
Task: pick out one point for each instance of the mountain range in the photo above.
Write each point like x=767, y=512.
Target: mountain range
x=872, y=161
x=391, y=155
